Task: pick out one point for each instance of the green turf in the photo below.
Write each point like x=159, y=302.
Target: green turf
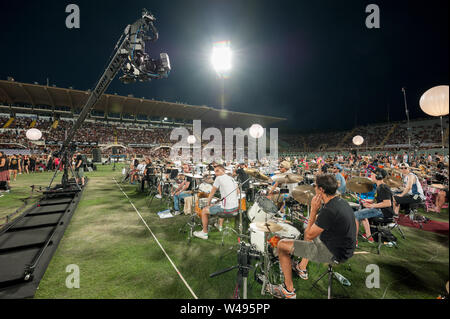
x=118, y=257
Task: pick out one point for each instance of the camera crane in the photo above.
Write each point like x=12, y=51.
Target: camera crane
x=129, y=56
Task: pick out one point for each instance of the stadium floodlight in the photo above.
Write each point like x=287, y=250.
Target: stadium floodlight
x=256, y=131
x=191, y=139
x=33, y=134
x=221, y=57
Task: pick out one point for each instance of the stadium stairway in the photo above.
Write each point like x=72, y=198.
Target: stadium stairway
x=7, y=124
x=386, y=138
x=55, y=124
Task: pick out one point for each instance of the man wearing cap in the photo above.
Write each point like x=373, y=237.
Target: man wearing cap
x=381, y=208
x=340, y=179
x=413, y=191
x=285, y=168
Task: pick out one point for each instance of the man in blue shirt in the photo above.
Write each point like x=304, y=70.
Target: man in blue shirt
x=340, y=179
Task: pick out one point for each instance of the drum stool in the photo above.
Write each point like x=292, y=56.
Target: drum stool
x=227, y=229
x=384, y=223
x=330, y=274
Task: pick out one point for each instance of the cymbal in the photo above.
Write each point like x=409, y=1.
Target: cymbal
x=393, y=182
x=256, y=174
x=280, y=178
x=360, y=184
x=268, y=227
x=303, y=194
x=439, y=186
x=294, y=178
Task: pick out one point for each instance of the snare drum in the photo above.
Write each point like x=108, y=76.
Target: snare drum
x=257, y=237
x=288, y=232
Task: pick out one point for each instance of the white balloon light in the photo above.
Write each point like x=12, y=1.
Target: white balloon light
x=256, y=131
x=191, y=139
x=358, y=140
x=33, y=134
x=434, y=102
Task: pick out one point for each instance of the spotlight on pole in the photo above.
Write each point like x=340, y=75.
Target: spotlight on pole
x=256, y=131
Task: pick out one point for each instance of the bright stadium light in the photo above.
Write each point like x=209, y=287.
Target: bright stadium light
x=221, y=57
x=256, y=131
x=358, y=140
x=33, y=134
x=191, y=139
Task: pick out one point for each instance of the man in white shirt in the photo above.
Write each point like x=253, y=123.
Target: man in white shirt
x=228, y=205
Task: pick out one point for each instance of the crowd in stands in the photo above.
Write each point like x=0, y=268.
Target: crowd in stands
x=97, y=132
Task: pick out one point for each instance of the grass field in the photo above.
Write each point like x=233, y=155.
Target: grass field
x=118, y=257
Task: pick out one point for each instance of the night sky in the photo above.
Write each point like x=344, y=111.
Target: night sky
x=313, y=62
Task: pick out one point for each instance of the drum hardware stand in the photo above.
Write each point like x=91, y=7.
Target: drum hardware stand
x=191, y=223
x=227, y=229
x=245, y=256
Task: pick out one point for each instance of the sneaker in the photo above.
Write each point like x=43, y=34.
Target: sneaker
x=200, y=234
x=220, y=228
x=176, y=213
x=356, y=246
x=158, y=196
x=301, y=273
x=280, y=291
x=370, y=239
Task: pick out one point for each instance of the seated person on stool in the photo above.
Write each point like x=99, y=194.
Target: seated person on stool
x=334, y=223
x=381, y=208
x=148, y=172
x=285, y=189
x=412, y=193
x=229, y=191
x=441, y=198
x=183, y=190
x=340, y=179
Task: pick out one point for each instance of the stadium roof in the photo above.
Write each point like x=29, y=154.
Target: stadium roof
x=12, y=92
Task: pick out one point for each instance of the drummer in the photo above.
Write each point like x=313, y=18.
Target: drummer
x=242, y=178
x=229, y=192
x=382, y=207
x=340, y=179
x=285, y=167
x=329, y=236
x=184, y=189
x=413, y=191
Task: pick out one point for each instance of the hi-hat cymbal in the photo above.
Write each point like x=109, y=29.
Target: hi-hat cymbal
x=268, y=227
x=360, y=185
x=256, y=174
x=303, y=194
x=280, y=178
x=294, y=178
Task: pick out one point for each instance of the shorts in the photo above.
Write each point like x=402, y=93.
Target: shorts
x=314, y=250
x=218, y=210
x=79, y=173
